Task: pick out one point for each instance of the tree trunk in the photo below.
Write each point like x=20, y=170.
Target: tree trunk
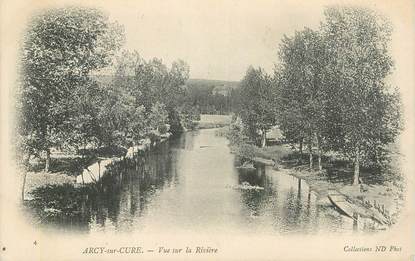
x=264, y=139
x=310, y=152
x=356, y=168
x=84, y=152
x=301, y=150
x=301, y=147
x=311, y=160
x=99, y=169
x=355, y=221
x=319, y=153
x=47, y=164
x=24, y=184
x=26, y=169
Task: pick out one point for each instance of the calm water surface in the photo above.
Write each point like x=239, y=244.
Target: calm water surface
x=189, y=184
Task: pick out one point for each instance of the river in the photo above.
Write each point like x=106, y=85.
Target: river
x=190, y=184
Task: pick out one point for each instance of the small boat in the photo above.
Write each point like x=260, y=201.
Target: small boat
x=246, y=165
x=348, y=208
x=342, y=205
x=246, y=186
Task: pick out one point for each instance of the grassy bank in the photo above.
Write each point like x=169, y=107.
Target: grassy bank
x=63, y=170
x=380, y=194
x=208, y=121
x=384, y=198
x=65, y=167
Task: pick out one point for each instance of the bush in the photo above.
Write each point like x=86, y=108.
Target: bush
x=62, y=200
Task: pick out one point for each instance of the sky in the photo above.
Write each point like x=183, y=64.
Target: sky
x=220, y=39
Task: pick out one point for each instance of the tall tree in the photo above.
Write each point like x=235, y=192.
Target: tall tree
x=158, y=118
x=155, y=87
x=155, y=82
x=367, y=112
x=174, y=95
x=81, y=127
x=301, y=92
x=258, y=99
x=61, y=47
x=122, y=121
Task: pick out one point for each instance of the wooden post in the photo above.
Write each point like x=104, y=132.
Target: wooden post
x=356, y=167
x=47, y=164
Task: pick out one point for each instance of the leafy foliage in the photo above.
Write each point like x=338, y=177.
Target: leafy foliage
x=212, y=96
x=258, y=99
x=329, y=90
x=61, y=47
x=332, y=86
x=63, y=106
x=368, y=112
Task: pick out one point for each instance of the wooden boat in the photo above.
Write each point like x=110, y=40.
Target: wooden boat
x=342, y=205
x=246, y=186
x=348, y=208
x=246, y=165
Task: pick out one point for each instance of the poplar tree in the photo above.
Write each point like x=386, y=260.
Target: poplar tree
x=258, y=99
x=60, y=49
x=301, y=92
x=365, y=114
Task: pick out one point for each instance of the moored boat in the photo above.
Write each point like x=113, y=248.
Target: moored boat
x=350, y=208
x=340, y=202
x=246, y=165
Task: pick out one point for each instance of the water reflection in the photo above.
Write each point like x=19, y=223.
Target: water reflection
x=286, y=204
x=190, y=184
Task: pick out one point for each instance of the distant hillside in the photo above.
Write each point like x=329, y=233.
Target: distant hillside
x=217, y=86
x=208, y=96
x=212, y=96
x=215, y=83
x=232, y=84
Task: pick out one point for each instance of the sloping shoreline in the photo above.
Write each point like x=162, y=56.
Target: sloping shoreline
x=90, y=174
x=376, y=202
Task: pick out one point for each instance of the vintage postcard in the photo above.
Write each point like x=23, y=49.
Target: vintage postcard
x=207, y=130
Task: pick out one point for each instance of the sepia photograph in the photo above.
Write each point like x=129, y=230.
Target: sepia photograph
x=207, y=130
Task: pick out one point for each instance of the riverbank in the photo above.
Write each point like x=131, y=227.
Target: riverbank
x=158, y=196
x=72, y=169
x=376, y=200
x=77, y=169
x=35, y=180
